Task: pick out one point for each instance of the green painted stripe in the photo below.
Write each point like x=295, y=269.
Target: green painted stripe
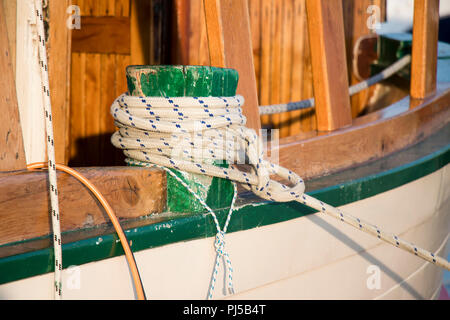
x=201, y=226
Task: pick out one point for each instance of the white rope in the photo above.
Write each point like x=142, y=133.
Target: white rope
x=187, y=133
x=50, y=152
x=309, y=103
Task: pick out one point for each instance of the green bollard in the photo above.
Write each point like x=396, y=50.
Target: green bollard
x=188, y=81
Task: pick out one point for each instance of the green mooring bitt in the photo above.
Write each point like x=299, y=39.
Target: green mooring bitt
x=187, y=81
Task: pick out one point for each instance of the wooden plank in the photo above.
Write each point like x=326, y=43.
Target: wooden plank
x=326, y=36
x=424, y=48
x=140, y=32
x=266, y=29
x=107, y=97
x=10, y=13
x=12, y=153
x=379, y=135
x=182, y=29
x=24, y=200
x=287, y=45
x=298, y=61
x=122, y=61
x=77, y=110
x=275, y=60
x=254, y=12
x=102, y=35
x=230, y=46
x=92, y=111
x=122, y=8
x=59, y=52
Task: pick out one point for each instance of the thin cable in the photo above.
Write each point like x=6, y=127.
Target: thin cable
x=112, y=216
x=309, y=103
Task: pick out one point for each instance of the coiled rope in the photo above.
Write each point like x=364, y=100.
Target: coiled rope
x=189, y=133
x=309, y=103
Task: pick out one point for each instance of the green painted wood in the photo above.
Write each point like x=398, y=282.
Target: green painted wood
x=189, y=81
x=197, y=226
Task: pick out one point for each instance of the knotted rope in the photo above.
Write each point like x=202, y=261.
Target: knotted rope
x=190, y=133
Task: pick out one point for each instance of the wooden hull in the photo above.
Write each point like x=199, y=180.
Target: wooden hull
x=310, y=257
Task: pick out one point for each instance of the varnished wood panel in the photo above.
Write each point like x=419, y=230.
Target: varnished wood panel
x=59, y=52
x=326, y=34
x=424, y=48
x=102, y=35
x=230, y=46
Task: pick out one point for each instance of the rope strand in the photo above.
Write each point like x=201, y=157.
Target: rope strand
x=50, y=152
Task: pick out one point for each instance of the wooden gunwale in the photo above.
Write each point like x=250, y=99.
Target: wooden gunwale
x=369, y=138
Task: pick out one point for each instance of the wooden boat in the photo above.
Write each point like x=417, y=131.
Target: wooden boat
x=387, y=165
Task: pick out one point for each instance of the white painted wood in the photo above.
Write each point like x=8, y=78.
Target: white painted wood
x=28, y=83
x=312, y=257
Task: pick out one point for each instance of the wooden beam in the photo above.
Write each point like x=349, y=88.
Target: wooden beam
x=102, y=35
x=59, y=52
x=424, y=48
x=12, y=154
x=230, y=46
x=329, y=65
x=24, y=200
x=10, y=11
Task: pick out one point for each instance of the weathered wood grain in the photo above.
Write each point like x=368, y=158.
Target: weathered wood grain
x=12, y=153
x=24, y=200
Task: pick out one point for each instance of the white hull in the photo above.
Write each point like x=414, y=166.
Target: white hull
x=312, y=257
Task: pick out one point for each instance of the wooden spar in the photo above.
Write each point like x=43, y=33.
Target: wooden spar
x=230, y=46
x=12, y=154
x=326, y=36
x=424, y=48
x=24, y=202
x=59, y=47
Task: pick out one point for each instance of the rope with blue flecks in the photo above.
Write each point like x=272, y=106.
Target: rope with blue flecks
x=50, y=151
x=189, y=133
x=309, y=103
